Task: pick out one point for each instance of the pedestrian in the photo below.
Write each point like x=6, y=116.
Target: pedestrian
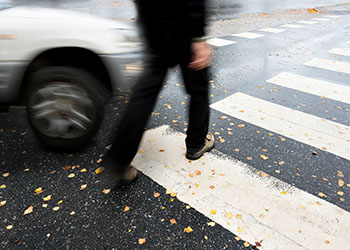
x=173, y=32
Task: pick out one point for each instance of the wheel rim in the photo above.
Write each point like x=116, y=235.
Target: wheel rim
x=62, y=110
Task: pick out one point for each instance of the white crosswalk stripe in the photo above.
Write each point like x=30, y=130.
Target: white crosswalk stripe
x=320, y=19
x=218, y=42
x=329, y=65
x=272, y=30
x=332, y=16
x=340, y=51
x=295, y=26
x=307, y=22
x=249, y=35
x=317, y=132
x=312, y=86
x=220, y=188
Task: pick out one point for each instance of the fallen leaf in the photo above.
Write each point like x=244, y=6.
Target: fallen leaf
x=239, y=229
x=156, y=195
x=246, y=244
x=161, y=150
x=212, y=211
x=281, y=163
x=44, y=205
x=228, y=215
x=172, y=221
x=241, y=125
x=262, y=216
x=188, y=230
x=318, y=203
x=188, y=206
x=314, y=152
x=198, y=172
x=341, y=183
x=212, y=187
x=126, y=209
x=82, y=187
x=83, y=170
x=237, y=238
x=264, y=157
x=322, y=194
x=38, y=190
x=2, y=203
x=222, y=140
x=6, y=175
x=99, y=160
x=340, y=193
x=302, y=207
x=28, y=210
x=340, y=173
x=283, y=192
x=71, y=175
x=190, y=175
x=99, y=170
x=56, y=208
x=249, y=158
x=59, y=202
x=205, y=237
x=2, y=186
x=9, y=227
x=212, y=223
x=313, y=11
x=142, y=241
x=239, y=216
x=47, y=198
x=72, y=213
x=327, y=242
x=106, y=191
x=67, y=167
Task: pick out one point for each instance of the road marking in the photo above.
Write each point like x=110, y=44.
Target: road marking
x=320, y=19
x=329, y=65
x=272, y=30
x=249, y=35
x=348, y=42
x=312, y=86
x=235, y=196
x=331, y=16
x=307, y=22
x=295, y=26
x=312, y=130
x=340, y=51
x=218, y=42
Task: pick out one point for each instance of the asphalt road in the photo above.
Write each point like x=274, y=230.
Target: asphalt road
x=90, y=219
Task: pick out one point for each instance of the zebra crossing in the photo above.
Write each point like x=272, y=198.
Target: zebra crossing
x=243, y=200
x=219, y=42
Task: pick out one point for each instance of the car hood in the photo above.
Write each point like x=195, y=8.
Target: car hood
x=63, y=15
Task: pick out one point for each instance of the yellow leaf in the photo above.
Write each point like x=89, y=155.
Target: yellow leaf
x=99, y=170
x=222, y=140
x=28, y=210
x=38, y=190
x=322, y=194
x=212, y=211
x=246, y=244
x=188, y=230
x=156, y=195
x=302, y=207
x=142, y=241
x=56, y=208
x=340, y=173
x=228, y=215
x=9, y=227
x=340, y=182
x=239, y=216
x=313, y=11
x=212, y=223
x=83, y=170
x=340, y=193
x=249, y=158
x=3, y=186
x=190, y=175
x=47, y=198
x=99, y=160
x=237, y=238
x=59, y=202
x=241, y=125
x=2, y=203
x=188, y=206
x=71, y=175
x=281, y=163
x=106, y=191
x=44, y=205
x=172, y=221
x=239, y=229
x=126, y=209
x=264, y=157
x=82, y=187
x=72, y=213
x=5, y=175
x=283, y=192
x=168, y=191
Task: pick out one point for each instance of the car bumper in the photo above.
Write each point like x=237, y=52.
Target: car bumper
x=11, y=74
x=123, y=69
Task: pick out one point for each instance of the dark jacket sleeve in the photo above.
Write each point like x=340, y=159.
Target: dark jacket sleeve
x=196, y=17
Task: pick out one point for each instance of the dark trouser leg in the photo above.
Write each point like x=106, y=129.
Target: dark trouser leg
x=197, y=85
x=131, y=127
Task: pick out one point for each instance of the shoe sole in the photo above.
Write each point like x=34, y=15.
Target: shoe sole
x=194, y=157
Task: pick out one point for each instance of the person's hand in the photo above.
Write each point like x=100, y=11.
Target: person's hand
x=201, y=55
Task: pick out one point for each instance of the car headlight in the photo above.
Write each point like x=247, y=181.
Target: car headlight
x=124, y=36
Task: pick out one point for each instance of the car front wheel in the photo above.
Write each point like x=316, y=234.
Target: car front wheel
x=64, y=106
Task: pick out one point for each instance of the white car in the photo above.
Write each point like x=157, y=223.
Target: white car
x=63, y=66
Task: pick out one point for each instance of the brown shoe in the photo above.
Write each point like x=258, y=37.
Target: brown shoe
x=208, y=145
x=129, y=175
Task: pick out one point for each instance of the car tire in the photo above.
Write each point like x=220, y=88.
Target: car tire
x=64, y=106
